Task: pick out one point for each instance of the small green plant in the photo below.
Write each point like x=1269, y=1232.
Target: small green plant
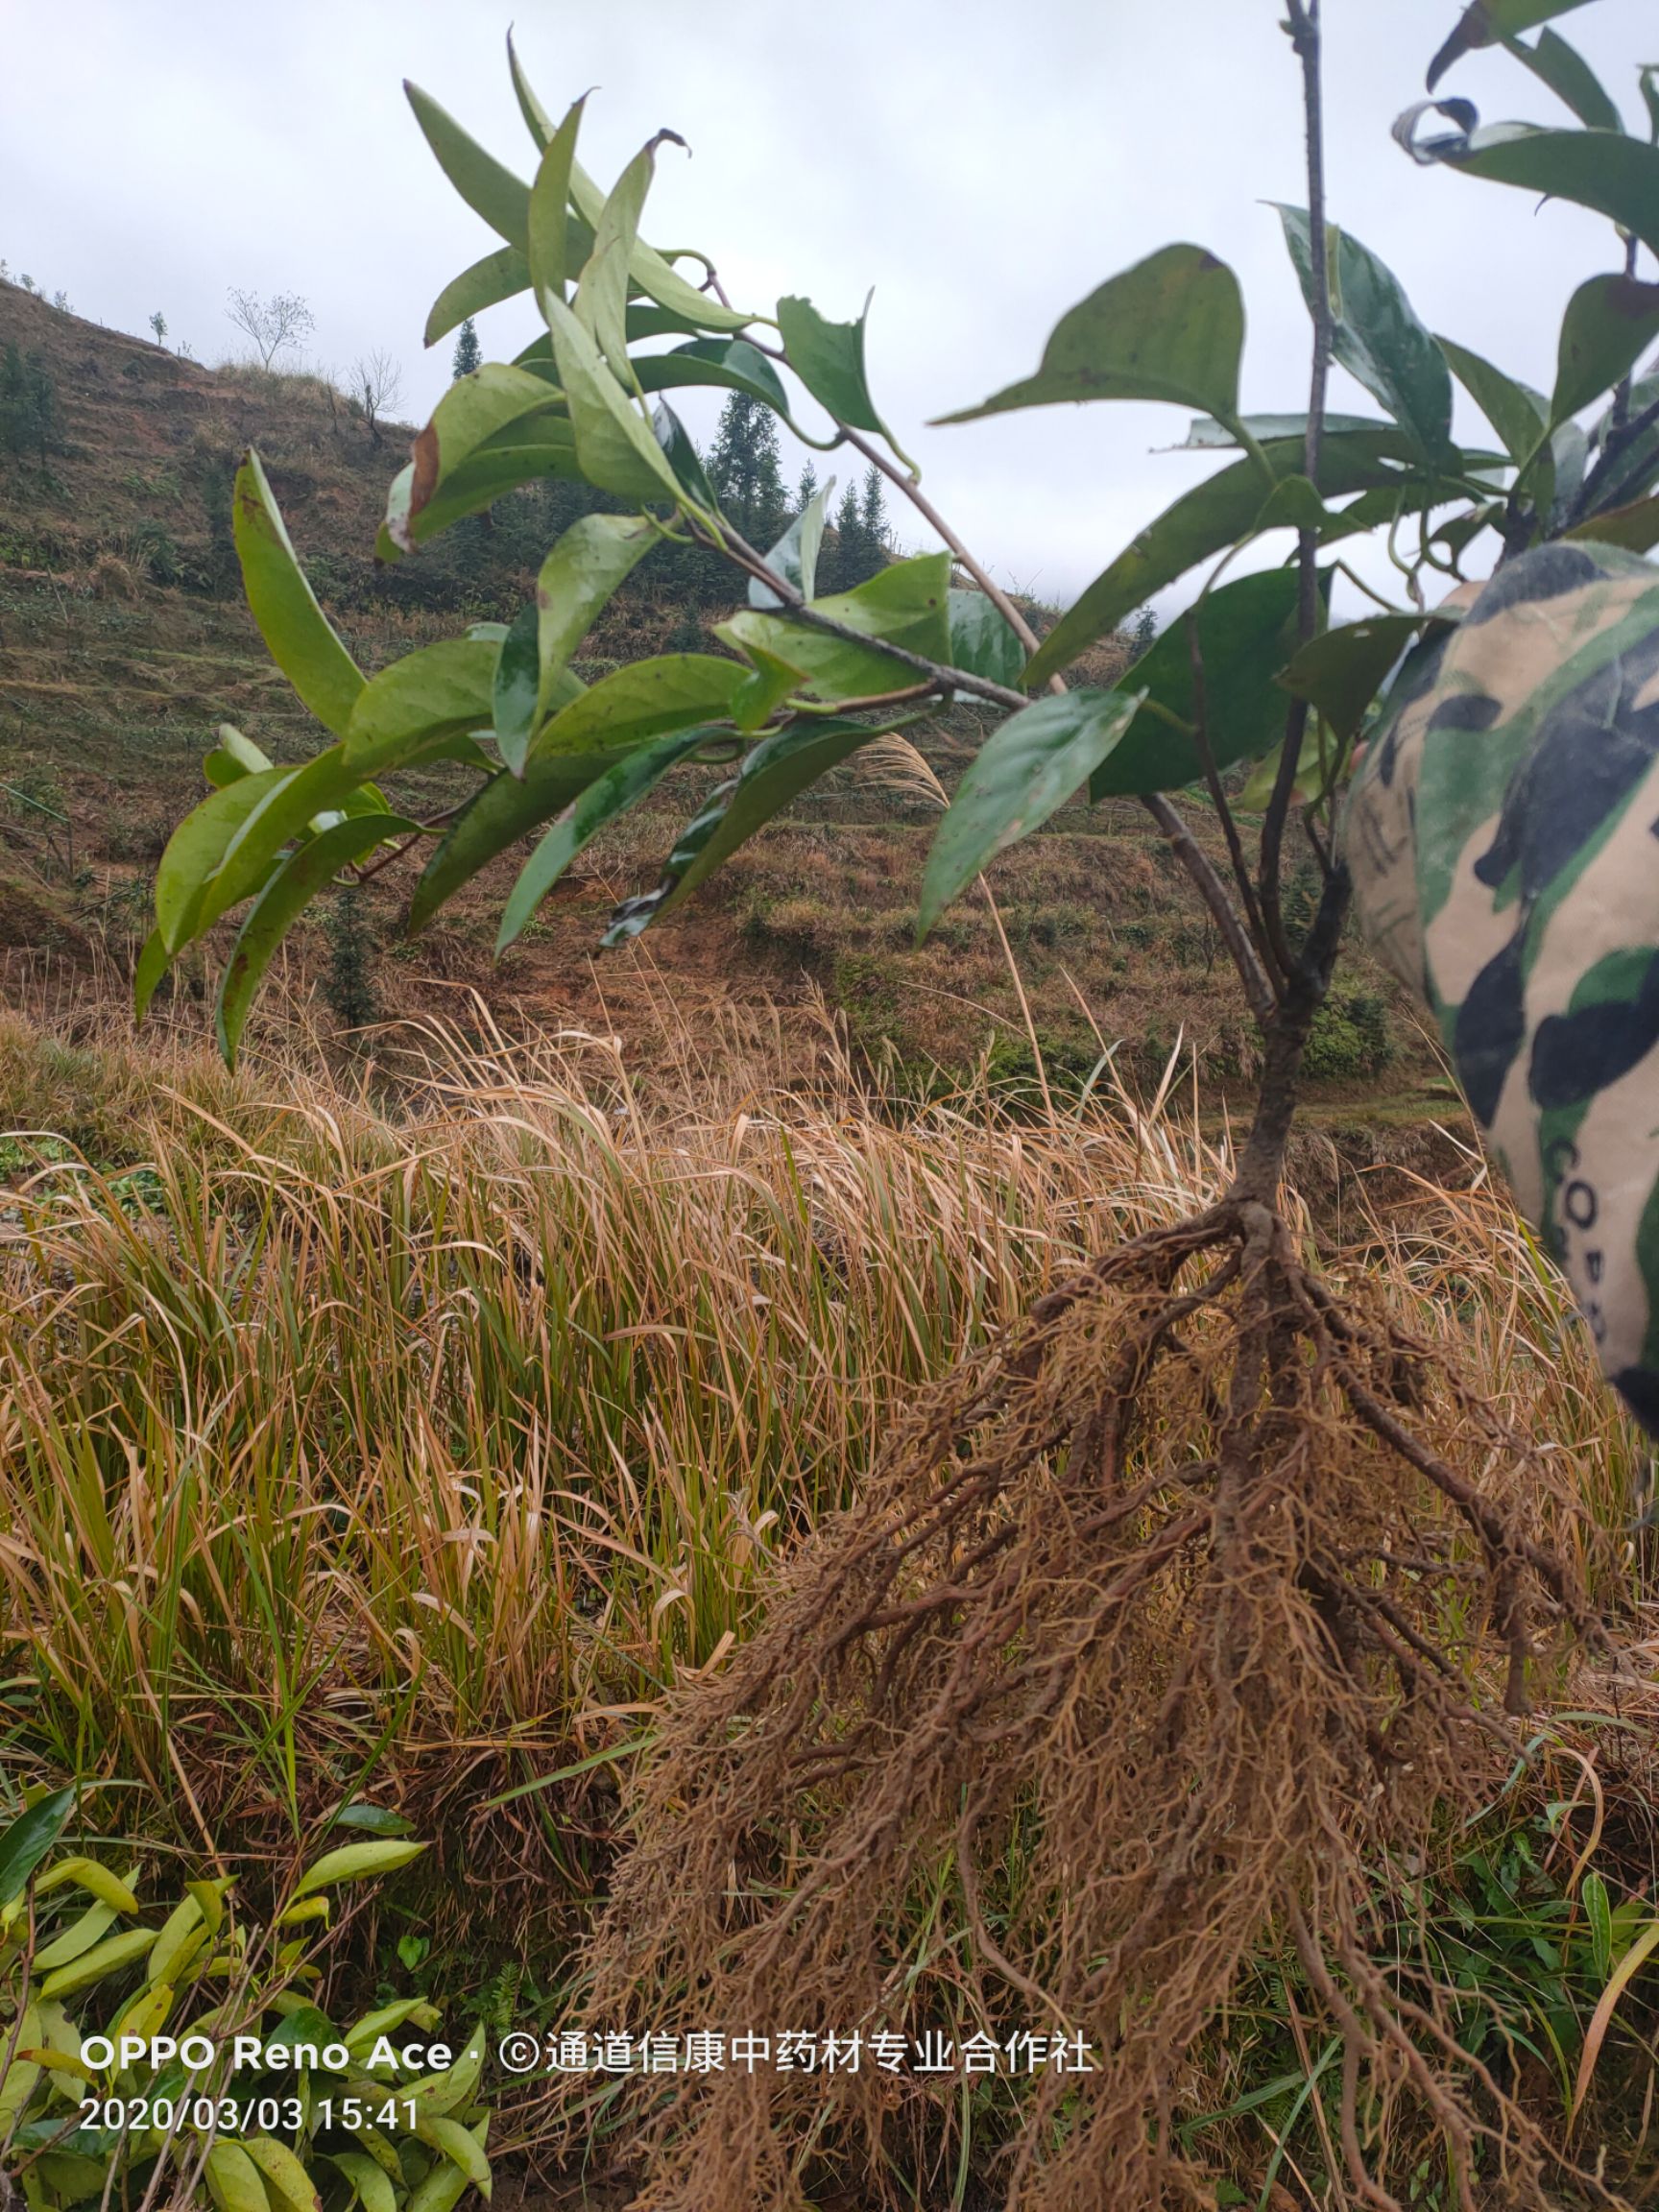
x=187, y=2054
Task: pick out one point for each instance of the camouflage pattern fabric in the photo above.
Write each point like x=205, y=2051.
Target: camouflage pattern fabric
x=1503, y=834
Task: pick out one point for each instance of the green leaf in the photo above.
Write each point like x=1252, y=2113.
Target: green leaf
x=27, y=1840
x=1246, y=631
x=368, y=2183
x=1635, y=527
x=518, y=454
x=302, y=641
x=764, y=692
x=1216, y=514
x=233, y=756
x=1599, y=1916
x=601, y=297
x=377, y=1820
x=732, y=362
x=601, y=802
x=1378, y=338
x=1206, y=435
x=106, y=1957
x=1571, y=78
x=981, y=641
x=644, y=699
x=148, y=970
x=497, y=276
x=655, y=277
x=517, y=682
x=795, y=556
x=829, y=358
x=1170, y=329
x=905, y=604
x=354, y=1862
x=281, y=903
x=307, y=798
x=1488, y=22
x=456, y=2145
x=283, y=2175
x=614, y=445
x=446, y=2184
x=306, y=2023
x=80, y=1935
x=494, y=818
x=1610, y=323
x=1648, y=81
x=777, y=771
x=97, y=1880
x=1616, y=177
x=196, y=848
x=475, y=409
x=233, y=2179
x=1514, y=411
x=681, y=453
x=487, y=188
x=1021, y=774
x=1293, y=504
x=1341, y=671
x=576, y=581
x=549, y=214
x=431, y=693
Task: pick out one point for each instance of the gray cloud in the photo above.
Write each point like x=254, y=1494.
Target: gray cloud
x=982, y=167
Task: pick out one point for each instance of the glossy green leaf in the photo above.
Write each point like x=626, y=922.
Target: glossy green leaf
x=377, y=1820
x=795, y=556
x=233, y=2179
x=1022, y=773
x=280, y=906
x=455, y=2143
x=151, y=963
x=1293, y=504
x=26, y=1841
x=981, y=641
x=1635, y=526
x=609, y=796
x=644, y=699
x=777, y=771
x=1571, y=78
x=446, y=2184
x=1616, y=177
x=1170, y=329
x=601, y=297
x=1517, y=412
x=1488, y=22
x=543, y=446
x=731, y=362
x=474, y=409
x=517, y=682
x=110, y=1957
x=233, y=756
x=1609, y=324
x=371, y=2188
x=1215, y=515
x=679, y=450
x=829, y=358
x=762, y=694
x=1341, y=671
x=306, y=798
x=357, y=1862
x=196, y=846
x=614, y=445
x=487, y=187
x=433, y=691
x=654, y=276
x=495, y=277
x=1246, y=631
x=99, y=1881
x=299, y=637
x=286, y=2179
x=905, y=604
x=549, y=214
x=1378, y=337
x=1206, y=435
x=496, y=817
x=576, y=581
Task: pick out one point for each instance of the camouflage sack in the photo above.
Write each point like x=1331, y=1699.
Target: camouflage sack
x=1502, y=834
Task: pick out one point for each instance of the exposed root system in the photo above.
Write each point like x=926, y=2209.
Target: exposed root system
x=1156, y=1643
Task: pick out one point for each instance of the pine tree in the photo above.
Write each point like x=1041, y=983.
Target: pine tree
x=743, y=471
x=848, y=565
x=806, y=491
x=468, y=351
x=873, y=516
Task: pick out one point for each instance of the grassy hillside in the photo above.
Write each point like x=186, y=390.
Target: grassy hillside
x=123, y=641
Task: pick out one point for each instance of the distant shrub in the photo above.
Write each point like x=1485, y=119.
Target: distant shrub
x=1350, y=1037
x=30, y=421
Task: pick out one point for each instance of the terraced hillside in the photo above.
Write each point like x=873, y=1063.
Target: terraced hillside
x=123, y=641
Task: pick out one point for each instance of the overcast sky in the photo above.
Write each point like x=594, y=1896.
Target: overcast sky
x=983, y=165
